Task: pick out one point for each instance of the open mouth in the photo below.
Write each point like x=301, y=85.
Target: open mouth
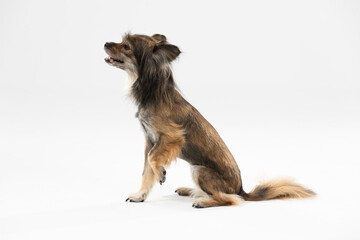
x=111, y=60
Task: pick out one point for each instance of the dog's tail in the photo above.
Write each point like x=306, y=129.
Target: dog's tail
x=277, y=189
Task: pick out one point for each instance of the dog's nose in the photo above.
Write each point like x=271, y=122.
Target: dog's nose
x=109, y=44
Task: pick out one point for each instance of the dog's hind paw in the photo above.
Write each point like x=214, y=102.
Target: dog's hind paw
x=200, y=203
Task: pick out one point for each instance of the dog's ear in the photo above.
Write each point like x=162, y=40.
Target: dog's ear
x=167, y=51
x=159, y=37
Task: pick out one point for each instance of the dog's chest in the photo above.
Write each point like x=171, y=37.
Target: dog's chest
x=150, y=132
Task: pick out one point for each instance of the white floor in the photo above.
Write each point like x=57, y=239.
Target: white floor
x=74, y=187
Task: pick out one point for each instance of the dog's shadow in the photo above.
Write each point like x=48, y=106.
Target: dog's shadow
x=173, y=201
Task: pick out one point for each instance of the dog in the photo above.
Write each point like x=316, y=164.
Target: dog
x=175, y=129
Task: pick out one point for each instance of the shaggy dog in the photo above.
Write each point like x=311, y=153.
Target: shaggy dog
x=175, y=129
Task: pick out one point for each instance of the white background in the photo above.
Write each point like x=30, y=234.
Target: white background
x=279, y=80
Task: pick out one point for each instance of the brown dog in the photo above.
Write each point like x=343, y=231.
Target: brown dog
x=174, y=128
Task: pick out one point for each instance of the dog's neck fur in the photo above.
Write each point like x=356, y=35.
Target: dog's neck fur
x=153, y=86
x=132, y=77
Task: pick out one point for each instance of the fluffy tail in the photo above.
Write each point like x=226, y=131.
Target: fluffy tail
x=277, y=189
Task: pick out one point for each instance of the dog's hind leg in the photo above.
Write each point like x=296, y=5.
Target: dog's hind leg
x=218, y=199
x=220, y=192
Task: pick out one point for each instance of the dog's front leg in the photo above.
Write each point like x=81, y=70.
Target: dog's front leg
x=166, y=149
x=148, y=179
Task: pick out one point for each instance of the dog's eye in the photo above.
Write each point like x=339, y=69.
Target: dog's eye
x=126, y=47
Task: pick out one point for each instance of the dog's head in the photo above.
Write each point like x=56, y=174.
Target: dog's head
x=137, y=52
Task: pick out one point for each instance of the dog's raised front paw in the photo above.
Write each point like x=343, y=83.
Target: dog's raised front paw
x=162, y=176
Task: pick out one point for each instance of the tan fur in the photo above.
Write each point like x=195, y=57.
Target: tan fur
x=282, y=188
x=169, y=144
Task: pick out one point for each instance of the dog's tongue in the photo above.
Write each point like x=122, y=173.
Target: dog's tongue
x=109, y=59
